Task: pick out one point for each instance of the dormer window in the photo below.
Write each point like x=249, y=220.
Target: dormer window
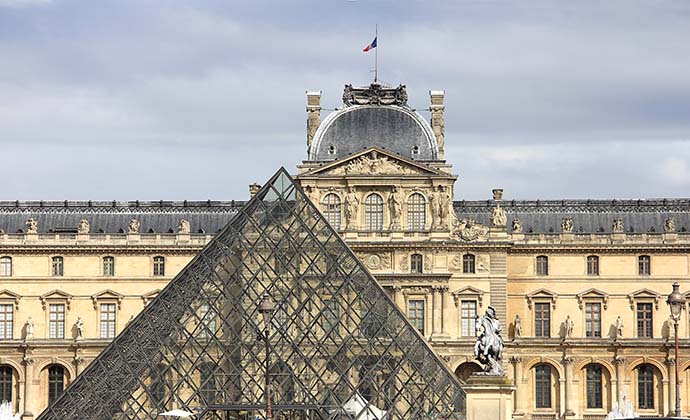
x=415, y=150
x=331, y=149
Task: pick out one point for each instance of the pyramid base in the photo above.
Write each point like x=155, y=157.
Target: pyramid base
x=489, y=397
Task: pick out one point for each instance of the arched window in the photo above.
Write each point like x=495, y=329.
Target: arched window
x=468, y=263
x=416, y=212
x=644, y=265
x=416, y=263
x=56, y=382
x=542, y=265
x=331, y=210
x=542, y=386
x=6, y=266
x=108, y=266
x=207, y=388
x=6, y=383
x=645, y=387
x=373, y=212
x=594, y=387
x=58, y=266
x=592, y=265
x=159, y=266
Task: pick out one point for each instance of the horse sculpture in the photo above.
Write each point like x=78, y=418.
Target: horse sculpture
x=489, y=346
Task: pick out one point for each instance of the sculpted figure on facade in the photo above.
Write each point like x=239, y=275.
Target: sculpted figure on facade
x=83, y=228
x=373, y=165
x=619, y=327
x=488, y=349
x=134, y=226
x=567, y=225
x=29, y=326
x=351, y=207
x=184, y=227
x=395, y=208
x=517, y=225
x=499, y=217
x=440, y=206
x=618, y=226
x=670, y=225
x=569, y=326
x=438, y=125
x=80, y=328
x=469, y=230
x=517, y=327
x=32, y=225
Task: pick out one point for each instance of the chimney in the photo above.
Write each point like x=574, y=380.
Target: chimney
x=313, y=116
x=253, y=189
x=438, y=124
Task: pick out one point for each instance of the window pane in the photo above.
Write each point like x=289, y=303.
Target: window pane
x=158, y=266
x=416, y=212
x=543, y=386
x=542, y=266
x=416, y=314
x=5, y=266
x=108, y=266
x=593, y=265
x=108, y=320
x=5, y=383
x=56, y=382
x=416, y=263
x=469, y=318
x=593, y=319
x=331, y=210
x=644, y=320
x=56, y=321
x=6, y=322
x=594, y=387
x=58, y=266
x=542, y=318
x=468, y=263
x=645, y=387
x=373, y=212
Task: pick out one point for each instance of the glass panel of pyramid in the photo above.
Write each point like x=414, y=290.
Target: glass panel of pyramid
x=337, y=345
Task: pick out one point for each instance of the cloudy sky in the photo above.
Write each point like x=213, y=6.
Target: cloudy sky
x=171, y=99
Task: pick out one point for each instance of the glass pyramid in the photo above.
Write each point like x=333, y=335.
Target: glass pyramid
x=337, y=345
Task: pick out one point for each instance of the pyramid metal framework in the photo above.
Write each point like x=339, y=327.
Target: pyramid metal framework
x=336, y=339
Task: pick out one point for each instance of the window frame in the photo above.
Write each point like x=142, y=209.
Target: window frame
x=542, y=265
x=469, y=263
x=416, y=212
x=57, y=266
x=647, y=324
x=56, y=382
x=108, y=265
x=159, y=265
x=7, y=325
x=414, y=310
x=594, y=387
x=645, y=387
x=466, y=318
x=57, y=333
x=542, y=326
x=110, y=324
x=416, y=263
x=592, y=265
x=6, y=266
x=373, y=212
x=592, y=324
x=6, y=383
x=543, y=387
x=331, y=206
x=644, y=265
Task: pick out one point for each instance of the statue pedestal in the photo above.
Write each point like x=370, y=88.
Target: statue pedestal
x=489, y=397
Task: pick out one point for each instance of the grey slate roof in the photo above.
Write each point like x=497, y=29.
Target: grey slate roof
x=589, y=216
x=114, y=217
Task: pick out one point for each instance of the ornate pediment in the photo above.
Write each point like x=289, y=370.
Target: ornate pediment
x=107, y=295
x=644, y=294
x=468, y=292
x=56, y=295
x=592, y=294
x=376, y=161
x=542, y=294
x=148, y=297
x=8, y=295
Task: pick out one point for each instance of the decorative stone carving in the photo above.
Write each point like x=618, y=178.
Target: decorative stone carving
x=373, y=164
x=498, y=217
x=469, y=230
x=517, y=225
x=29, y=328
x=618, y=226
x=517, y=327
x=134, y=226
x=32, y=226
x=670, y=225
x=619, y=327
x=438, y=125
x=253, y=189
x=83, y=228
x=567, y=225
x=482, y=263
x=497, y=194
x=404, y=263
x=456, y=263
x=80, y=328
x=488, y=349
x=375, y=94
x=376, y=261
x=440, y=205
x=351, y=207
x=395, y=208
x=428, y=262
x=184, y=227
x=569, y=326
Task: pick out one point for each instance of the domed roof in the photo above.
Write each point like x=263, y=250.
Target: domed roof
x=384, y=120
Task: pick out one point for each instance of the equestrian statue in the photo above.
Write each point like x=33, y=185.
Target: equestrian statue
x=489, y=346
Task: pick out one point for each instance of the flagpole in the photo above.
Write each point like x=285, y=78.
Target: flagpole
x=376, y=55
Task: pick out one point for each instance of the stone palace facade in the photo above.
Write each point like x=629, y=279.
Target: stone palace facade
x=580, y=285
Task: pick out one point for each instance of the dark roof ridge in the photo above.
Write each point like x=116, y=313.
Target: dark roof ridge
x=119, y=203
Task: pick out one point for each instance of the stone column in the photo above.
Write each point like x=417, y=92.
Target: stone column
x=436, y=312
x=520, y=397
x=437, y=121
x=28, y=379
x=670, y=387
x=569, y=388
x=313, y=116
x=399, y=297
x=618, y=362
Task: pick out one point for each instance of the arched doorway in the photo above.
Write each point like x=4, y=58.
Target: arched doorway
x=465, y=370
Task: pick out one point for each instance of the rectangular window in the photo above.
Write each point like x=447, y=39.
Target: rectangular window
x=468, y=263
x=57, y=320
x=108, y=320
x=468, y=318
x=416, y=263
x=542, y=386
x=158, y=266
x=6, y=322
x=593, y=319
x=108, y=266
x=542, y=320
x=58, y=266
x=592, y=265
x=594, y=387
x=6, y=266
x=644, y=265
x=332, y=315
x=415, y=313
x=542, y=265
x=208, y=320
x=644, y=320
x=6, y=384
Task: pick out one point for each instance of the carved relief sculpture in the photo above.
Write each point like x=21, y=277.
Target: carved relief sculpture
x=375, y=94
x=134, y=226
x=567, y=225
x=32, y=225
x=373, y=164
x=439, y=127
x=404, y=263
x=29, y=326
x=446, y=205
x=488, y=349
x=517, y=225
x=569, y=326
x=83, y=227
x=618, y=226
x=395, y=208
x=670, y=225
x=499, y=217
x=184, y=227
x=351, y=207
x=470, y=230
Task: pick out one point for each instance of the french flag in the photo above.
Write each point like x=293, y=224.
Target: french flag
x=371, y=46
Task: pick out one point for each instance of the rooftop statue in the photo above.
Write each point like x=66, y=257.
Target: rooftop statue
x=488, y=349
